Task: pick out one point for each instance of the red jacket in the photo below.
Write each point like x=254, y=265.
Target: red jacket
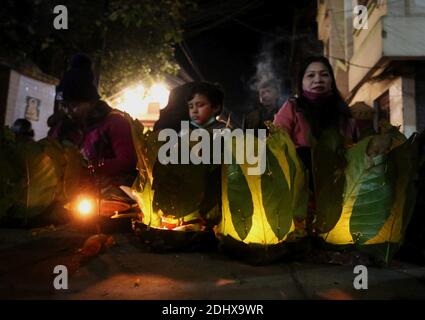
x=298, y=128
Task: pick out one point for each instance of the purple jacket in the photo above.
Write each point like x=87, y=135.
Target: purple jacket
x=110, y=142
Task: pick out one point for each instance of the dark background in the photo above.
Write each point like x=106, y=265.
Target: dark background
x=226, y=40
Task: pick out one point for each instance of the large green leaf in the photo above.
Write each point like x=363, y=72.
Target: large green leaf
x=10, y=177
x=10, y=173
x=173, y=190
x=74, y=172
x=179, y=189
x=402, y=170
x=265, y=205
x=240, y=200
x=55, y=151
x=405, y=162
x=328, y=167
x=69, y=166
x=39, y=185
x=34, y=174
x=368, y=191
x=296, y=177
x=367, y=210
x=144, y=197
x=299, y=183
x=277, y=199
x=146, y=145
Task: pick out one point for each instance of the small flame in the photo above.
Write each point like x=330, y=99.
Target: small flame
x=85, y=207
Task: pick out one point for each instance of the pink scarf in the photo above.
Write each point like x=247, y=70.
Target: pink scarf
x=315, y=97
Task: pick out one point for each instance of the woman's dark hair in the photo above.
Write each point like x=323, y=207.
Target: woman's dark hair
x=332, y=111
x=212, y=91
x=98, y=113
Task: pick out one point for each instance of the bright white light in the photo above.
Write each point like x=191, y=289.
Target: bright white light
x=159, y=93
x=85, y=207
x=132, y=101
x=135, y=100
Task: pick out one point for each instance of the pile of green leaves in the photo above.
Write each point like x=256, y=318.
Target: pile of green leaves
x=34, y=175
x=365, y=196
x=364, y=193
x=261, y=209
x=175, y=191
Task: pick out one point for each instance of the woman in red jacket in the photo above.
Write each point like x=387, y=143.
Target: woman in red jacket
x=317, y=106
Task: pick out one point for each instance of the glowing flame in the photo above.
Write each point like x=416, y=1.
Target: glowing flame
x=174, y=224
x=159, y=93
x=132, y=101
x=85, y=207
x=136, y=100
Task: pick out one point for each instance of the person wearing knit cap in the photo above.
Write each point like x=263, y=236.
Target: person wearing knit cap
x=78, y=82
x=104, y=135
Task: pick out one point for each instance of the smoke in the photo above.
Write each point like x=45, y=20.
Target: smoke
x=268, y=64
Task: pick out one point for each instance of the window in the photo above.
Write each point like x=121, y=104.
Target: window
x=383, y=106
x=417, y=7
x=367, y=2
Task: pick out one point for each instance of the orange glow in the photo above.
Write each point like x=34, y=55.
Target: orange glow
x=85, y=207
x=139, y=101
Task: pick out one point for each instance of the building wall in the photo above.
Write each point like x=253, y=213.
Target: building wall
x=402, y=100
x=409, y=106
x=403, y=36
x=12, y=95
x=420, y=96
x=370, y=91
x=365, y=56
x=375, y=13
x=334, y=20
x=395, y=33
x=24, y=95
x=348, y=16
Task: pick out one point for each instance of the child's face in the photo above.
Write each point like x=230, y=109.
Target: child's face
x=200, y=109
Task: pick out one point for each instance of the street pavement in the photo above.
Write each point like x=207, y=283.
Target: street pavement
x=129, y=270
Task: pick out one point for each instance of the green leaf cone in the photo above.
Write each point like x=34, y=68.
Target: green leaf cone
x=240, y=201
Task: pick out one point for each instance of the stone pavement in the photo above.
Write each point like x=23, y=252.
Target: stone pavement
x=129, y=271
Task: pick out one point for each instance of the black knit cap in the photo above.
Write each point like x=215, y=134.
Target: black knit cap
x=77, y=83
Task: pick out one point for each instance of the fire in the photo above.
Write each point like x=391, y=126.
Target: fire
x=85, y=207
x=169, y=223
x=135, y=100
x=158, y=93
